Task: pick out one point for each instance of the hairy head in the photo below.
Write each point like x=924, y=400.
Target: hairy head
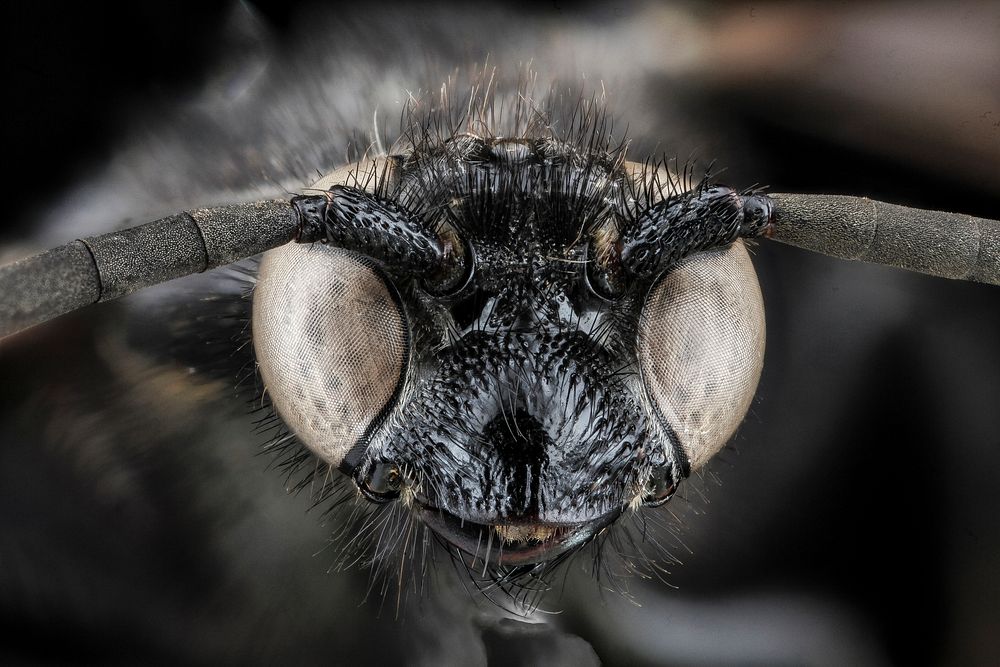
x=527, y=391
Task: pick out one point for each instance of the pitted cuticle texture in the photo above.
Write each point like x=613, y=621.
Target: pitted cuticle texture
x=331, y=344
x=701, y=347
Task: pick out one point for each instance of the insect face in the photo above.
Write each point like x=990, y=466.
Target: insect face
x=519, y=404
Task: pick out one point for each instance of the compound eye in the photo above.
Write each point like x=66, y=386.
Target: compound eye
x=331, y=341
x=660, y=487
x=382, y=482
x=701, y=348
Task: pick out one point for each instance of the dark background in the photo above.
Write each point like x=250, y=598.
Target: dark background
x=856, y=515
x=76, y=74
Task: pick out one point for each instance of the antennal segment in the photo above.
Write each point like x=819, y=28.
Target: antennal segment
x=102, y=268
x=949, y=245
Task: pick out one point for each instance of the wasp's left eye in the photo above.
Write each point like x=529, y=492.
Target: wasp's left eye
x=660, y=487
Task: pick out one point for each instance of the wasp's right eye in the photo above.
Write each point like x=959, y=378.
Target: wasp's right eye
x=331, y=341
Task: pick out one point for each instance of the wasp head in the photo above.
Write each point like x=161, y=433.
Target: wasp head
x=496, y=369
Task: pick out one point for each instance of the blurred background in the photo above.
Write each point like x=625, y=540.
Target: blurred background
x=853, y=518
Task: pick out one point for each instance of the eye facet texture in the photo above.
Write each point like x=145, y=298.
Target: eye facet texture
x=701, y=347
x=331, y=341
